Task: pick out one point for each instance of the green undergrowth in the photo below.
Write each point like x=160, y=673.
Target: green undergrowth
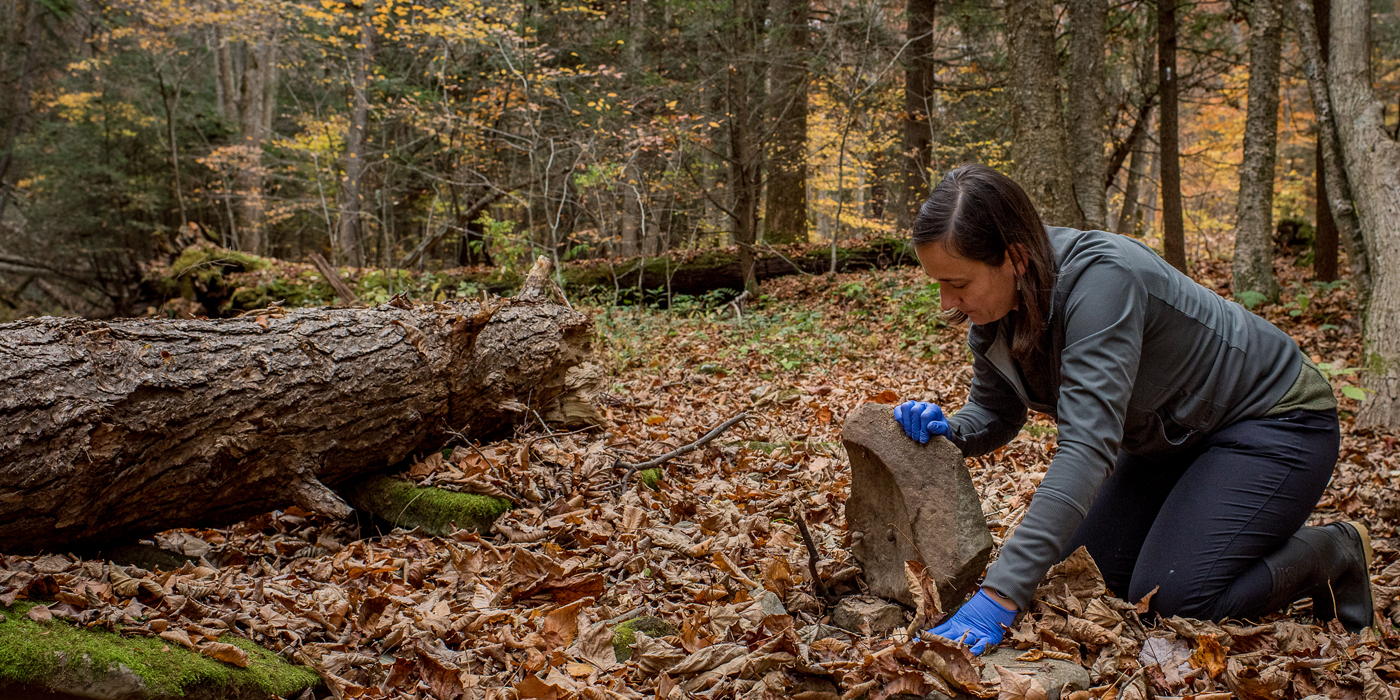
x=39, y=654
x=651, y=477
x=433, y=510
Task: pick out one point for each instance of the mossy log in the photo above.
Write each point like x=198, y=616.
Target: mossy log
x=207, y=280
x=433, y=510
x=57, y=659
x=114, y=429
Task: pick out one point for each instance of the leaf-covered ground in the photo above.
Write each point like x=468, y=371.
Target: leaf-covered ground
x=709, y=573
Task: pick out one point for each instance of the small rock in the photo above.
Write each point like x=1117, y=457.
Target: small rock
x=813, y=633
x=1059, y=678
x=868, y=615
x=911, y=501
x=770, y=602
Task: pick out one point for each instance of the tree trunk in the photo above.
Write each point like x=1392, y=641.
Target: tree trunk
x=1254, y=243
x=1325, y=233
x=1173, y=228
x=1137, y=173
x=246, y=98
x=919, y=79
x=347, y=236
x=114, y=430
x=745, y=98
x=1088, y=113
x=1340, y=203
x=1373, y=169
x=785, y=220
x=1039, y=144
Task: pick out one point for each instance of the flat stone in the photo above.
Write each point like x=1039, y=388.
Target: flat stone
x=1059, y=678
x=911, y=501
x=771, y=603
x=868, y=615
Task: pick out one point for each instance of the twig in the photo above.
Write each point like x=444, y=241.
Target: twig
x=737, y=303
x=812, y=557
x=686, y=449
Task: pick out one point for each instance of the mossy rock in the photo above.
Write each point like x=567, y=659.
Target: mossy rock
x=432, y=510
x=625, y=634
x=651, y=478
x=64, y=660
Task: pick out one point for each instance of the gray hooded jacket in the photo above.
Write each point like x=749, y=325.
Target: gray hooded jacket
x=1149, y=362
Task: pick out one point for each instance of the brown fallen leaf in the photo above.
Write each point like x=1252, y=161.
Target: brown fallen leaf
x=180, y=637
x=226, y=653
x=1016, y=686
x=39, y=613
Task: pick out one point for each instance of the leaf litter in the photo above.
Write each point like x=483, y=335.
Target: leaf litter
x=714, y=555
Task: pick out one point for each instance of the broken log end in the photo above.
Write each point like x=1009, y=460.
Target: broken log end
x=309, y=493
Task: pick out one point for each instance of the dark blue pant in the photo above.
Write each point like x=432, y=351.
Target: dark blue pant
x=1199, y=523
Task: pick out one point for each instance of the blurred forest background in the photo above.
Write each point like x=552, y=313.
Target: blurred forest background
x=398, y=139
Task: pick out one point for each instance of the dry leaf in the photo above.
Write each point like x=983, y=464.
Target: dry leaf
x=1016, y=686
x=226, y=653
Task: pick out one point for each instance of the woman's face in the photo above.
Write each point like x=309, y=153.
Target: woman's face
x=984, y=292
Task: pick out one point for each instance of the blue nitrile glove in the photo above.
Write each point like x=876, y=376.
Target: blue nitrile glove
x=978, y=623
x=921, y=420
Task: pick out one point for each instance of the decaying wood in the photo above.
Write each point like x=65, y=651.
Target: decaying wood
x=342, y=289
x=109, y=430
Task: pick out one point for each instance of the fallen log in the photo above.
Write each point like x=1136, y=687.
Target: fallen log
x=115, y=429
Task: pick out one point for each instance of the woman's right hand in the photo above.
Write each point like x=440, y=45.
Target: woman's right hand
x=921, y=420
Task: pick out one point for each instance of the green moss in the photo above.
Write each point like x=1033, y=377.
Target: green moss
x=651, y=477
x=404, y=504
x=625, y=634
x=40, y=653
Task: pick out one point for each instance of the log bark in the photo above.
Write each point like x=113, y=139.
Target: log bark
x=111, y=430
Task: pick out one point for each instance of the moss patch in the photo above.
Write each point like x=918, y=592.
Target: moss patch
x=45, y=654
x=625, y=634
x=434, y=510
x=651, y=477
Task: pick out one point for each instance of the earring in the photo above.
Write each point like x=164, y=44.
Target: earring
x=1018, y=285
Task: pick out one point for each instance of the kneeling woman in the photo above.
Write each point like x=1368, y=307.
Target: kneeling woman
x=1194, y=437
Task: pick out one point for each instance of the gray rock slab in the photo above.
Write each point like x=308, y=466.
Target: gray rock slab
x=867, y=615
x=911, y=501
x=1059, y=678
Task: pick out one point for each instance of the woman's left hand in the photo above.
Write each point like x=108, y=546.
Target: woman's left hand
x=921, y=420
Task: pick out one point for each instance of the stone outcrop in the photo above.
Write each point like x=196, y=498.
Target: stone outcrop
x=911, y=501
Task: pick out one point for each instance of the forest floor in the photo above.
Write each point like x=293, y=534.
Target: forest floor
x=531, y=610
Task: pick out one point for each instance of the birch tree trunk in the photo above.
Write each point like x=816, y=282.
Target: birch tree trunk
x=785, y=220
x=1088, y=118
x=1340, y=202
x=1039, y=145
x=919, y=79
x=1173, y=228
x=1254, y=244
x=114, y=430
x=1373, y=169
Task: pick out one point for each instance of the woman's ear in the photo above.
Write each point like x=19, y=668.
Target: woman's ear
x=1018, y=257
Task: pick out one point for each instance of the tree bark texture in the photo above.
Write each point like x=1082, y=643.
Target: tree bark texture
x=112, y=430
x=1325, y=234
x=246, y=77
x=1373, y=169
x=785, y=218
x=1338, y=177
x=347, y=236
x=1254, y=244
x=1173, y=227
x=1039, y=144
x=1088, y=117
x=919, y=78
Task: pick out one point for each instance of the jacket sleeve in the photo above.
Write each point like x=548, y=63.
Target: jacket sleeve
x=1103, y=344
x=992, y=416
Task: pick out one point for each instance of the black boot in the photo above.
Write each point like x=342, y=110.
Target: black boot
x=1331, y=564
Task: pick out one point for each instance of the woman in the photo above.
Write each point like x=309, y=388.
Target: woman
x=1194, y=437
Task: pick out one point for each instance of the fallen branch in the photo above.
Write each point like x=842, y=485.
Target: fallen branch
x=686, y=449
x=812, y=557
x=342, y=289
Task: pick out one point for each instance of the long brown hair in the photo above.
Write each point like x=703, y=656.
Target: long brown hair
x=981, y=214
